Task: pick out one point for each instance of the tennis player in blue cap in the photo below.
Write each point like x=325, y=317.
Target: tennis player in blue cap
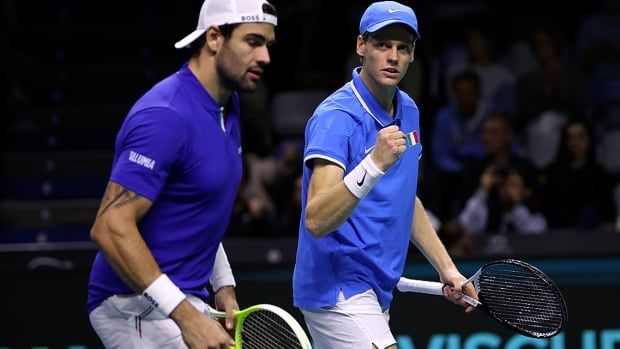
x=360, y=209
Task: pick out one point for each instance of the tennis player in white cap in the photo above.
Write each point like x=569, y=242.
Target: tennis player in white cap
x=175, y=174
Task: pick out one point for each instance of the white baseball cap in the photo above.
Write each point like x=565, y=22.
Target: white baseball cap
x=220, y=12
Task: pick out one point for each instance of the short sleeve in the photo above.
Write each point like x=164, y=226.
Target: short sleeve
x=327, y=137
x=148, y=147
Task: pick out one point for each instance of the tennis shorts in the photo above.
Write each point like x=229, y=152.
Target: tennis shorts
x=354, y=323
x=129, y=322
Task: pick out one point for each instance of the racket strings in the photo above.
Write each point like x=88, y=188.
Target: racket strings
x=264, y=329
x=522, y=298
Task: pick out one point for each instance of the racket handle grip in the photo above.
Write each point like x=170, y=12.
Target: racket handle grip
x=420, y=286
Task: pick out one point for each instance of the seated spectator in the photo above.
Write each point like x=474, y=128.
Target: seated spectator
x=577, y=190
x=502, y=150
x=496, y=81
x=504, y=203
x=455, y=140
x=549, y=96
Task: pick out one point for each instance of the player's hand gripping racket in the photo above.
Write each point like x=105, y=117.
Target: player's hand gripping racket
x=266, y=326
x=515, y=293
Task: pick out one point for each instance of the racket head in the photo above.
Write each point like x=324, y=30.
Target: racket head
x=264, y=326
x=521, y=297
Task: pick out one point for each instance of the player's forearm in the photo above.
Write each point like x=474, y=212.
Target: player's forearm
x=326, y=211
x=426, y=240
x=126, y=251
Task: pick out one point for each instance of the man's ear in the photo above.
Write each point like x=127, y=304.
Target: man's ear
x=360, y=44
x=213, y=39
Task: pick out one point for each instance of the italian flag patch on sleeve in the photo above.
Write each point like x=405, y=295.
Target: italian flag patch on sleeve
x=412, y=138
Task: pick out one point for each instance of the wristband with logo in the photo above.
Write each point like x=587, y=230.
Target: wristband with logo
x=363, y=178
x=163, y=295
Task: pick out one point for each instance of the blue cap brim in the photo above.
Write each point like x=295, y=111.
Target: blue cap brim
x=373, y=28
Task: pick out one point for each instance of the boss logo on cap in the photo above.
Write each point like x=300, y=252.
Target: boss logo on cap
x=252, y=18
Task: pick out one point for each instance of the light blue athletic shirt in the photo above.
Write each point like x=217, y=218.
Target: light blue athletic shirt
x=171, y=149
x=369, y=249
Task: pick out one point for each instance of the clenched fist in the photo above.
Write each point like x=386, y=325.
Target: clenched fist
x=390, y=145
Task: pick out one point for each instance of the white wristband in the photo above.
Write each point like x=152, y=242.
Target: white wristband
x=163, y=295
x=222, y=274
x=363, y=178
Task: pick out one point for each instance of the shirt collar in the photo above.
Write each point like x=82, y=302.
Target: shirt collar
x=370, y=104
x=203, y=96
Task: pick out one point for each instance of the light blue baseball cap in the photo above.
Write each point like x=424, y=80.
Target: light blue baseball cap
x=383, y=13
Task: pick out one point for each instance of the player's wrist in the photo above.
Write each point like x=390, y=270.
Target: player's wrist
x=163, y=295
x=363, y=178
x=380, y=166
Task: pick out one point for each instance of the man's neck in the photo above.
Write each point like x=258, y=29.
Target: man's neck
x=204, y=70
x=383, y=94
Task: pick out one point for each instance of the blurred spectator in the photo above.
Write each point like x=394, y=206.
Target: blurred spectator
x=502, y=151
x=548, y=96
x=555, y=86
x=504, y=203
x=577, y=190
x=274, y=176
x=456, y=140
x=252, y=214
x=496, y=81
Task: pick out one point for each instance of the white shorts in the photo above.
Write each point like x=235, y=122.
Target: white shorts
x=354, y=323
x=129, y=322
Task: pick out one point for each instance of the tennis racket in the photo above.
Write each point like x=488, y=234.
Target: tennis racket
x=513, y=292
x=266, y=326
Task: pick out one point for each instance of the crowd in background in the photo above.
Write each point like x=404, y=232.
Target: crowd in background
x=519, y=105
x=521, y=131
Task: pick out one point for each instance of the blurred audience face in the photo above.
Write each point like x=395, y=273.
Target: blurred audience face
x=577, y=140
x=496, y=135
x=466, y=95
x=513, y=189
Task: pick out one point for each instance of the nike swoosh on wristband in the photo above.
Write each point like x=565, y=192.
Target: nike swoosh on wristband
x=361, y=182
x=367, y=150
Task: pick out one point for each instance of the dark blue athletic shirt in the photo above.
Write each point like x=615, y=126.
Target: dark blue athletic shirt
x=172, y=149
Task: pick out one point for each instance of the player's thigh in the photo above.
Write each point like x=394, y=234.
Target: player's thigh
x=119, y=327
x=355, y=323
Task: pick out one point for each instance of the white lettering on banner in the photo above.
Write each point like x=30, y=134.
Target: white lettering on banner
x=141, y=160
x=607, y=339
